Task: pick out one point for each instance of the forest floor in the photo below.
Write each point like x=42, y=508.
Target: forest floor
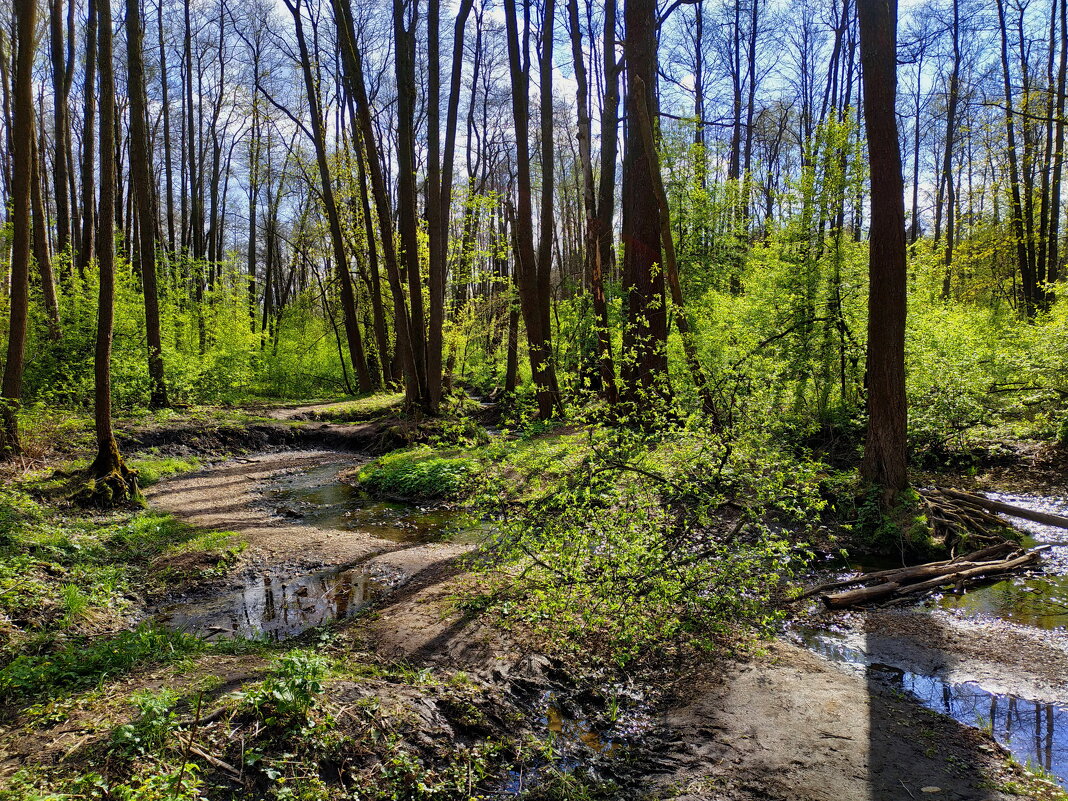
x=781, y=723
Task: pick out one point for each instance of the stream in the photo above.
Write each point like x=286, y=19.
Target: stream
x=281, y=601
x=1030, y=720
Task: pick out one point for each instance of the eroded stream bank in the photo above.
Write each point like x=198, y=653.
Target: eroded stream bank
x=792, y=724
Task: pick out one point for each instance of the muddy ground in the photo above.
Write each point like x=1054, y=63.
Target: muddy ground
x=782, y=725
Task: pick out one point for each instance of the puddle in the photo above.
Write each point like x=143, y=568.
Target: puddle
x=276, y=604
x=316, y=497
x=1039, y=600
x=1035, y=732
x=581, y=741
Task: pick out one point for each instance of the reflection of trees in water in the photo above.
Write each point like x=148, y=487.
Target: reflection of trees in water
x=277, y=608
x=1033, y=731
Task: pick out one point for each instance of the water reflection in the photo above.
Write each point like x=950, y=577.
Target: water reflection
x=277, y=605
x=1040, y=601
x=317, y=497
x=1035, y=732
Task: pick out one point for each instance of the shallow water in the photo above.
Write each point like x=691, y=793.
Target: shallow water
x=318, y=498
x=1035, y=732
x=1039, y=598
x=277, y=604
x=281, y=602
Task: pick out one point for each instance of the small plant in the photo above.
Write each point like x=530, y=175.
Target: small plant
x=148, y=733
x=292, y=689
x=75, y=604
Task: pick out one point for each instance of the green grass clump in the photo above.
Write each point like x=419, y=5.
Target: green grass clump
x=81, y=664
x=418, y=474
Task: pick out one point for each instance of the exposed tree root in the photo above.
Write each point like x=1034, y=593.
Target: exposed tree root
x=108, y=488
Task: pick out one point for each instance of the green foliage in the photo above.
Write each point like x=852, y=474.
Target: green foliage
x=902, y=529
x=291, y=690
x=81, y=664
x=644, y=539
x=417, y=473
x=155, y=723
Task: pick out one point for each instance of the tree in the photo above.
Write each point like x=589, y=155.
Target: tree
x=111, y=481
x=337, y=239
x=143, y=187
x=533, y=267
x=885, y=449
x=644, y=359
x=22, y=147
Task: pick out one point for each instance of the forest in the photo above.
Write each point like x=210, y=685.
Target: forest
x=593, y=399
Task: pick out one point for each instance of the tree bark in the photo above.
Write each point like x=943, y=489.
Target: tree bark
x=88, y=233
x=348, y=298
x=885, y=450
x=113, y=481
x=22, y=146
x=534, y=300
x=644, y=359
x=142, y=184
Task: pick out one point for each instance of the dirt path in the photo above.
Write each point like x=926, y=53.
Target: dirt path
x=232, y=497
x=789, y=725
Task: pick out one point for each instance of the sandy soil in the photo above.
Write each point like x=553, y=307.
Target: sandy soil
x=788, y=725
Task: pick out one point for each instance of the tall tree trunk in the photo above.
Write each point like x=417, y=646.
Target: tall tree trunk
x=1052, y=252
x=534, y=303
x=142, y=185
x=606, y=190
x=60, y=86
x=885, y=449
x=113, y=481
x=88, y=235
x=168, y=165
x=947, y=161
x=644, y=359
x=591, y=246
x=407, y=220
x=1027, y=277
x=353, y=68
x=41, y=254
x=22, y=146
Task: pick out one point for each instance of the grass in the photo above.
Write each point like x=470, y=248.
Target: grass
x=68, y=575
x=419, y=473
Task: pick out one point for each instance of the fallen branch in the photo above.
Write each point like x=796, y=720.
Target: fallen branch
x=905, y=581
x=1007, y=508
x=897, y=573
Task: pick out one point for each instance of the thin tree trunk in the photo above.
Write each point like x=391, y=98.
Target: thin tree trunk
x=534, y=303
x=1027, y=277
x=114, y=483
x=143, y=188
x=61, y=86
x=88, y=236
x=41, y=254
x=348, y=298
x=22, y=146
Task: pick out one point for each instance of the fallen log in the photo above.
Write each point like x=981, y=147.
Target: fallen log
x=1007, y=508
x=899, y=573
x=955, y=574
